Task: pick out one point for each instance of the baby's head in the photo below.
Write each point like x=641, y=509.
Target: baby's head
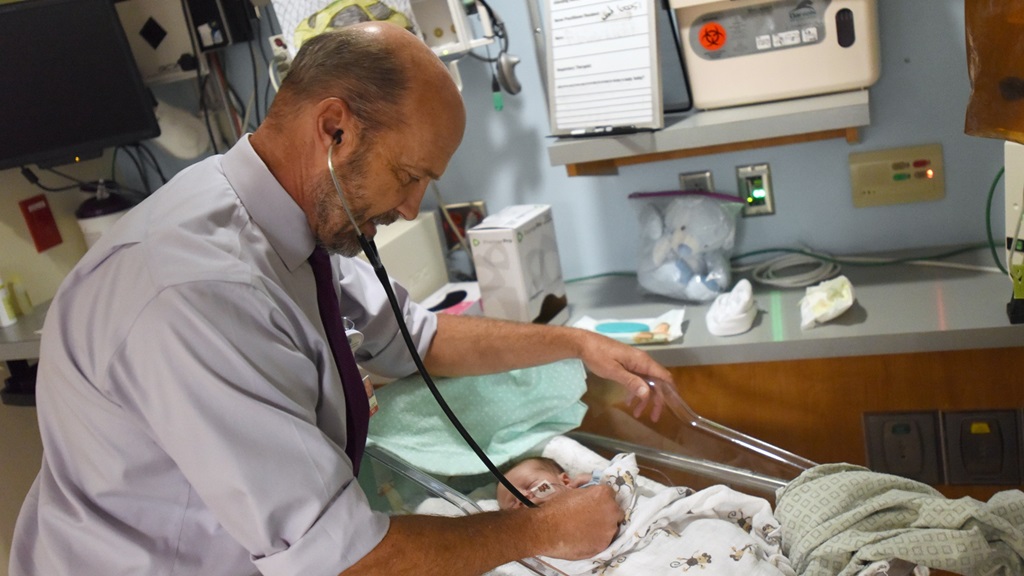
x=536, y=477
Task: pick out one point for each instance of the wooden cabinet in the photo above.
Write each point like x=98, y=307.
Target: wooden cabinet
x=815, y=407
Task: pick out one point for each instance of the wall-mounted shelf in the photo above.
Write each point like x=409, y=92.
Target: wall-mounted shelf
x=717, y=131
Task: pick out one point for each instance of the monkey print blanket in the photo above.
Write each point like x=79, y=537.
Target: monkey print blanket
x=715, y=531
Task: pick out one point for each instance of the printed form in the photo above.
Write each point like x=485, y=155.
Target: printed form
x=603, y=65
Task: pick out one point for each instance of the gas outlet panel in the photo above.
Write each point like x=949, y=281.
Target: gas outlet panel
x=982, y=447
x=697, y=181
x=897, y=176
x=905, y=444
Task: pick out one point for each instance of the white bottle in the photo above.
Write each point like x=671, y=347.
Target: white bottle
x=7, y=314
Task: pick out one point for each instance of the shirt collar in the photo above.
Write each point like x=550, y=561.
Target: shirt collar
x=269, y=204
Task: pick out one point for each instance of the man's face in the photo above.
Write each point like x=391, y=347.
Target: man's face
x=385, y=178
x=333, y=226
x=535, y=481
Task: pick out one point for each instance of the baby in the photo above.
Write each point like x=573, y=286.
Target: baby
x=668, y=529
x=537, y=478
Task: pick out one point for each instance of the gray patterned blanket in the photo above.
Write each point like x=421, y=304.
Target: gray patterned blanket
x=840, y=519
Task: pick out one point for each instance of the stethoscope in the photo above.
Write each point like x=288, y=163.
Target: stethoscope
x=370, y=250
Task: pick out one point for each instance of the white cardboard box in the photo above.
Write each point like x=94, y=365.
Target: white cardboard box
x=517, y=265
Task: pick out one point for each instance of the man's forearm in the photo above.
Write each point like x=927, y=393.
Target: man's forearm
x=466, y=346
x=427, y=545
x=573, y=525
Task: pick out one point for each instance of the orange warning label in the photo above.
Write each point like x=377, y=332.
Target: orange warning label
x=712, y=36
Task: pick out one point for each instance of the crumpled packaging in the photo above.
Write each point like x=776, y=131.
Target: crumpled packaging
x=995, y=64
x=825, y=301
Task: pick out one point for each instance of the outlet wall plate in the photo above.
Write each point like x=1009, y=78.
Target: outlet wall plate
x=897, y=176
x=982, y=447
x=755, y=189
x=697, y=181
x=905, y=444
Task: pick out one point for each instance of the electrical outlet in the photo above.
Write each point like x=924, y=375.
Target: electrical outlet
x=697, y=181
x=755, y=189
x=982, y=447
x=897, y=176
x=905, y=444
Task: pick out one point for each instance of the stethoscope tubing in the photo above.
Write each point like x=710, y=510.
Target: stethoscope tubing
x=370, y=250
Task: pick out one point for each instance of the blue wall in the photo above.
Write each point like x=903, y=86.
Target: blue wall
x=920, y=98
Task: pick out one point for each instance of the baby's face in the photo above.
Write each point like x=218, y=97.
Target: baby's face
x=535, y=481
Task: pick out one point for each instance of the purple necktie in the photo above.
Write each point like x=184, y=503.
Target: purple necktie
x=357, y=406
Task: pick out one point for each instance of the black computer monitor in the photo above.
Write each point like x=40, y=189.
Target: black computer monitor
x=69, y=85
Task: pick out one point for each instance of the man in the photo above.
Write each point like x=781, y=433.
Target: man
x=194, y=420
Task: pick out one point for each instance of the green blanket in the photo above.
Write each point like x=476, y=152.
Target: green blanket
x=507, y=414
x=840, y=519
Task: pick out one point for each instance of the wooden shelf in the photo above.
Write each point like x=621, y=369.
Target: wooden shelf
x=717, y=131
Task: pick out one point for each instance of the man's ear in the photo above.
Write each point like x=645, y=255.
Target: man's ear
x=334, y=122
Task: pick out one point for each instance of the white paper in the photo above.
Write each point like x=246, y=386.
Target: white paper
x=603, y=65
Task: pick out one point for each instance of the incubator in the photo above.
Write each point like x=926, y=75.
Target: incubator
x=682, y=449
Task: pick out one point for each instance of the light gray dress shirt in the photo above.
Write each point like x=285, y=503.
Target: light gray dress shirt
x=192, y=417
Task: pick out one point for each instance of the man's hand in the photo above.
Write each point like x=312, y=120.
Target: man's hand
x=634, y=369
x=585, y=521
x=465, y=346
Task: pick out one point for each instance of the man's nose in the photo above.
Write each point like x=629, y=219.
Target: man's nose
x=410, y=209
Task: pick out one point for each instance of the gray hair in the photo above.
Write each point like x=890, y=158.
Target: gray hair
x=369, y=75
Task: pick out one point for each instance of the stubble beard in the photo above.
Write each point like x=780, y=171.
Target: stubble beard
x=333, y=227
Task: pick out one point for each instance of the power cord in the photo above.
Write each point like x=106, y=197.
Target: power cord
x=1015, y=272
x=826, y=266
x=1015, y=307
x=988, y=220
x=779, y=271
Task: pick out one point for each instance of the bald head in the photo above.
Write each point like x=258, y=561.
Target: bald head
x=374, y=67
x=376, y=101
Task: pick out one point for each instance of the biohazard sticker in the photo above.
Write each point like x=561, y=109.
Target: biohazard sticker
x=712, y=36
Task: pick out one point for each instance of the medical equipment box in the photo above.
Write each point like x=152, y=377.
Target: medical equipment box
x=517, y=265
x=741, y=52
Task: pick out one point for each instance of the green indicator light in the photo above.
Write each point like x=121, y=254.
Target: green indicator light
x=901, y=176
x=759, y=193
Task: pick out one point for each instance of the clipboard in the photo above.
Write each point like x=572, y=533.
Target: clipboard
x=602, y=67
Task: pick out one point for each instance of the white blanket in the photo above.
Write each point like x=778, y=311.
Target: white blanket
x=716, y=531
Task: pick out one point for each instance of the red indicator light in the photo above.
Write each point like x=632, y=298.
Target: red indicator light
x=930, y=173
x=921, y=163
